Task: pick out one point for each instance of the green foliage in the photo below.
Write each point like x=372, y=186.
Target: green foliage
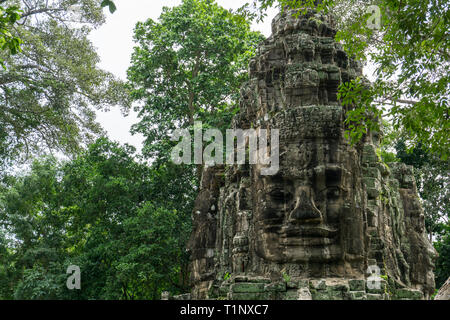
x=125, y=222
x=187, y=66
x=40, y=284
x=286, y=277
x=103, y=211
x=410, y=51
x=110, y=4
x=362, y=115
x=388, y=141
x=442, y=272
x=432, y=177
x=12, y=14
x=8, y=17
x=418, y=157
x=51, y=88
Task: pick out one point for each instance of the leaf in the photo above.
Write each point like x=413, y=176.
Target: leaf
x=110, y=4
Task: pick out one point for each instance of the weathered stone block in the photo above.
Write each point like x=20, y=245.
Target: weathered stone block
x=327, y=295
x=304, y=283
x=374, y=296
x=252, y=279
x=318, y=284
x=357, y=285
x=372, y=172
x=249, y=296
x=340, y=286
x=370, y=154
x=374, y=285
x=277, y=286
x=292, y=285
x=242, y=287
x=224, y=289
x=291, y=295
x=373, y=187
x=408, y=294
x=304, y=294
x=356, y=295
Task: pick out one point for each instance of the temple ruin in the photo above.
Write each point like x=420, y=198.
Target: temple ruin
x=335, y=222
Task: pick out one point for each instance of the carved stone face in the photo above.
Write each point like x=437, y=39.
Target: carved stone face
x=299, y=213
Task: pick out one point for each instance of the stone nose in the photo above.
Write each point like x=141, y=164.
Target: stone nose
x=305, y=210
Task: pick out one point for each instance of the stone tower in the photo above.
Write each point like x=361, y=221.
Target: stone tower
x=335, y=222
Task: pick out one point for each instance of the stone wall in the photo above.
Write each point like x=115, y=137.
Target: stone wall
x=333, y=214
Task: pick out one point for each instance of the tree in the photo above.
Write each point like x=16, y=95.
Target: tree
x=442, y=272
x=104, y=212
x=8, y=17
x=131, y=226
x=49, y=90
x=188, y=66
x=29, y=218
x=12, y=14
x=411, y=54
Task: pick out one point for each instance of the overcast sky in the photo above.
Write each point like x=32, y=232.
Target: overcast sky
x=114, y=43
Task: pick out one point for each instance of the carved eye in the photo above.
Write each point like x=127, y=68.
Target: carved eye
x=279, y=195
x=333, y=193
x=333, y=177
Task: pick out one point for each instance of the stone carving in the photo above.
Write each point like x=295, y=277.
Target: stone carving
x=444, y=292
x=333, y=215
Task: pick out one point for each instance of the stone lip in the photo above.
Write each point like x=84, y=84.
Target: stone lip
x=311, y=232
x=306, y=241
x=308, y=236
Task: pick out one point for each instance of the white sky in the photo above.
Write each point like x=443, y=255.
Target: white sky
x=114, y=43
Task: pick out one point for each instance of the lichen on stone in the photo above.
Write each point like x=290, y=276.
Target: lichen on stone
x=334, y=212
